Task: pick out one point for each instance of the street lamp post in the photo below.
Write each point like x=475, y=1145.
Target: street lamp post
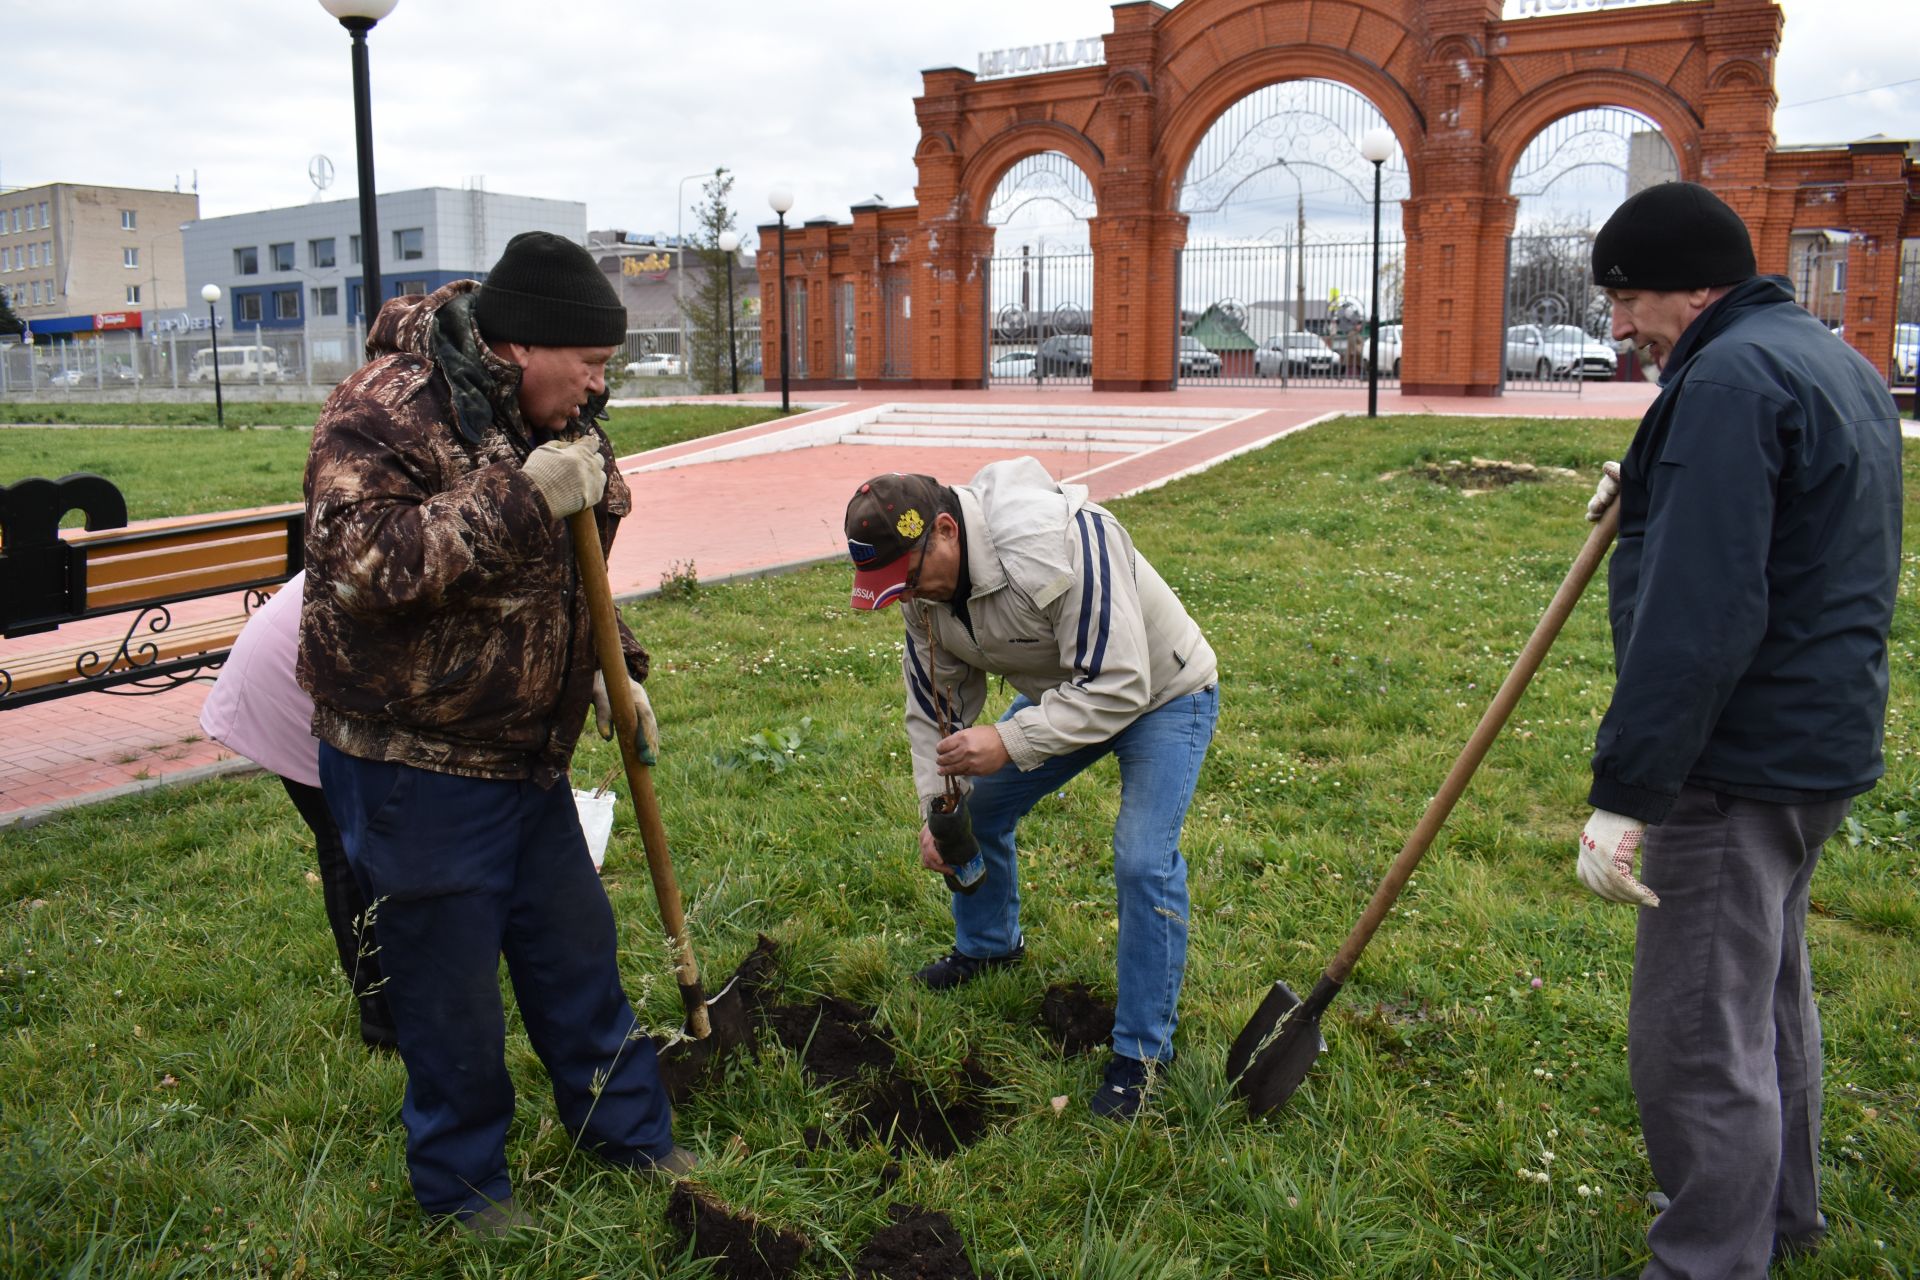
x=781, y=200
x=359, y=17
x=680, y=263
x=1376, y=147
x=728, y=243
x=211, y=295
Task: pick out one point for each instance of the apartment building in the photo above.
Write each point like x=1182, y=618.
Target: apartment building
x=78, y=259
x=300, y=267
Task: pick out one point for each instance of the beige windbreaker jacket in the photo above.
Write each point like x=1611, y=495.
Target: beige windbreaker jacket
x=1064, y=608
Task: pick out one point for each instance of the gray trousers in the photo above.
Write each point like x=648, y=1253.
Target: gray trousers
x=1723, y=1040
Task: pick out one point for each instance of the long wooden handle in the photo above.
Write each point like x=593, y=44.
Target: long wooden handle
x=1477, y=746
x=626, y=728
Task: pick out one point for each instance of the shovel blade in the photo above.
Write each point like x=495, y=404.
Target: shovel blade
x=1276, y=1049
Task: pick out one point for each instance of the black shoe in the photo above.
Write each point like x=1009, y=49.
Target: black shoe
x=1125, y=1087
x=954, y=968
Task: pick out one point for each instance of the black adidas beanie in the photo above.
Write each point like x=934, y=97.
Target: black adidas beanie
x=546, y=291
x=1677, y=235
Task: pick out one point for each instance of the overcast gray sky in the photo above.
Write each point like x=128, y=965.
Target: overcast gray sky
x=613, y=101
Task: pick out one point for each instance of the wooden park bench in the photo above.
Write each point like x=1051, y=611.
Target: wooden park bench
x=49, y=578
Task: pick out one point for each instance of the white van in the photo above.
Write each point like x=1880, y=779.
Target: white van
x=237, y=364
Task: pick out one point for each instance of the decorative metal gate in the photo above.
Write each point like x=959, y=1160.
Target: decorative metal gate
x=1571, y=177
x=1040, y=282
x=1264, y=301
x=1818, y=269
x=797, y=326
x=1277, y=315
x=1040, y=320
x=1558, y=323
x=1905, y=369
x=896, y=326
x=843, y=327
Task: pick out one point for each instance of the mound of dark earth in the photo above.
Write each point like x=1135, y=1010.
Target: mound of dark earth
x=907, y=1115
x=916, y=1245
x=745, y=1247
x=1075, y=1018
x=835, y=1038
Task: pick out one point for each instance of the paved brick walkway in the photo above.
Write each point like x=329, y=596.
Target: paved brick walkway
x=738, y=516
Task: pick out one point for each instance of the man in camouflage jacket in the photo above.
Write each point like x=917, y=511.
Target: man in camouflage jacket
x=448, y=650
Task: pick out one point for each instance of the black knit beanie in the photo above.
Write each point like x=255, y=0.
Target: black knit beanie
x=546, y=291
x=1677, y=235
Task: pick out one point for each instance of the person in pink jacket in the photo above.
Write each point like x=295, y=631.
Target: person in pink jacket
x=259, y=711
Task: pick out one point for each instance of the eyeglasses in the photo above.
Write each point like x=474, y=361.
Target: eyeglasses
x=912, y=583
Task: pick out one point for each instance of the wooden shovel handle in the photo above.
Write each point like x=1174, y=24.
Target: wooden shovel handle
x=626, y=727
x=1477, y=746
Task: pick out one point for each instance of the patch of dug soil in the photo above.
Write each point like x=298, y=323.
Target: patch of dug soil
x=917, y=1246
x=910, y=1116
x=1481, y=475
x=1076, y=1019
x=835, y=1038
x=685, y=1064
x=747, y=1248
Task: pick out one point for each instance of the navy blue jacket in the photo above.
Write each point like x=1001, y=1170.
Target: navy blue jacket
x=1753, y=584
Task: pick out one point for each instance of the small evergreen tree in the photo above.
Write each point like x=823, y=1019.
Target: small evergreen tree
x=706, y=307
x=10, y=324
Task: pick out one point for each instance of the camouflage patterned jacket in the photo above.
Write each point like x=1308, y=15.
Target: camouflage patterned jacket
x=444, y=626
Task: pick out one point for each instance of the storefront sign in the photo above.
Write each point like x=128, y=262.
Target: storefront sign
x=1027, y=59
x=108, y=321
x=182, y=322
x=653, y=264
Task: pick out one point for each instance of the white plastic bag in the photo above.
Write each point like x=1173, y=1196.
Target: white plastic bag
x=596, y=821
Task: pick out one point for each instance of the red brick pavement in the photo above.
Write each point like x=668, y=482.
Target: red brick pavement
x=738, y=517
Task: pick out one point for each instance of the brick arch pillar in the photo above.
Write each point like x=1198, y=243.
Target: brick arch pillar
x=950, y=301
x=1136, y=299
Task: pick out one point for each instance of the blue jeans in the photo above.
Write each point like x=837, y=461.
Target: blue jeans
x=459, y=871
x=1160, y=756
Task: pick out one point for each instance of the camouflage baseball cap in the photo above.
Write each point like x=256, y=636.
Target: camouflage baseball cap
x=888, y=517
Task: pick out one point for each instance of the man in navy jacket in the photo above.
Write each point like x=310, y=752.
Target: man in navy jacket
x=1751, y=595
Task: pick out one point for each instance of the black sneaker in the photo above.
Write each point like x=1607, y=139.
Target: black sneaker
x=1124, y=1087
x=954, y=968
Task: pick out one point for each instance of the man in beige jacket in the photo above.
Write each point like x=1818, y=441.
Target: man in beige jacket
x=1016, y=576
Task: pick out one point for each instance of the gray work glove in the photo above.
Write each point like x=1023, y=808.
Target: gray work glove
x=571, y=477
x=1605, y=492
x=649, y=743
x=1607, y=849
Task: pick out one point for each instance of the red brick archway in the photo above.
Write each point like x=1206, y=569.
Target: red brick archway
x=1464, y=90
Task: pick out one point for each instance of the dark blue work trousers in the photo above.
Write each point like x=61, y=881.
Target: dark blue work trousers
x=458, y=872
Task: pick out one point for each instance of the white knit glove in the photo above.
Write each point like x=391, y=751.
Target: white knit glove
x=571, y=477
x=649, y=743
x=1605, y=492
x=1607, y=849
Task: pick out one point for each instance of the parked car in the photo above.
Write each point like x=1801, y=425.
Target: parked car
x=1906, y=351
x=243, y=363
x=1295, y=353
x=1557, y=351
x=658, y=364
x=1014, y=364
x=1068, y=355
x=1389, y=349
x=1196, y=361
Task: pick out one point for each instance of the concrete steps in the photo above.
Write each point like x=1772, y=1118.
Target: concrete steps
x=1017, y=427
x=1009, y=429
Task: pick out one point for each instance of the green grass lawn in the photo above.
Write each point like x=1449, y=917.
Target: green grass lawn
x=182, y=1091
x=186, y=471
